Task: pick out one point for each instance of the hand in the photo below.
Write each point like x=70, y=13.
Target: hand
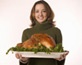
x=19, y=56
x=63, y=56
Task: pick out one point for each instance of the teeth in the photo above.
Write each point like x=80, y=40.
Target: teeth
x=40, y=18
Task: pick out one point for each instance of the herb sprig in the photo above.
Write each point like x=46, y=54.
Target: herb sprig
x=40, y=48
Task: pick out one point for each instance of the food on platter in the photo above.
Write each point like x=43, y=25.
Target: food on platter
x=38, y=43
x=37, y=39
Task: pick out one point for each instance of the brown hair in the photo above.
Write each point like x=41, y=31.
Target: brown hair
x=50, y=14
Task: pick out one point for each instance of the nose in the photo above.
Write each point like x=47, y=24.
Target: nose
x=40, y=13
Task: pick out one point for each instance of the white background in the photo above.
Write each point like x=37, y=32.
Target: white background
x=14, y=18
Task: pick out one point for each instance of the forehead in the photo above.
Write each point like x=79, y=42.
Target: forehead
x=40, y=6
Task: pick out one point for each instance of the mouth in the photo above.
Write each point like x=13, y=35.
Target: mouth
x=40, y=18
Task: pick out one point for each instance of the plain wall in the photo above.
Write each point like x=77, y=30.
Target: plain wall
x=14, y=18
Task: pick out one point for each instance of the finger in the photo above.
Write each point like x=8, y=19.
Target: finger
x=60, y=58
x=17, y=55
x=20, y=56
x=24, y=58
x=64, y=55
x=67, y=52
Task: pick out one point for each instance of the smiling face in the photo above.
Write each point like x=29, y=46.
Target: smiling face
x=40, y=13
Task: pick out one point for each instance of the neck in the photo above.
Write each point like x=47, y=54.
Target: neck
x=42, y=26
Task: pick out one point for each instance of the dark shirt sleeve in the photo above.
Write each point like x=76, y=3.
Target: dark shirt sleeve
x=22, y=63
x=24, y=37
x=59, y=40
x=58, y=36
x=61, y=62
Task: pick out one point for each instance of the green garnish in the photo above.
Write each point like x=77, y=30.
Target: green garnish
x=40, y=48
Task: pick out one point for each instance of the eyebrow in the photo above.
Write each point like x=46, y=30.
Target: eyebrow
x=38, y=9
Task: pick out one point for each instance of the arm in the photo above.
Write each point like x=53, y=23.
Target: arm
x=59, y=40
x=61, y=62
x=23, y=60
x=20, y=63
x=24, y=36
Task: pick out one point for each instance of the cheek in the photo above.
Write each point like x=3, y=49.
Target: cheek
x=45, y=15
x=36, y=15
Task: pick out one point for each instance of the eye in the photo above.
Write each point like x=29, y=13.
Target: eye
x=36, y=11
x=44, y=10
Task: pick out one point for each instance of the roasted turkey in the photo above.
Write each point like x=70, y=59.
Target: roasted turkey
x=38, y=39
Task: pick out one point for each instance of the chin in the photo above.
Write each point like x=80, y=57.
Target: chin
x=41, y=21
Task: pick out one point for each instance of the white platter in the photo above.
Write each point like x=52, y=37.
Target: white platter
x=41, y=54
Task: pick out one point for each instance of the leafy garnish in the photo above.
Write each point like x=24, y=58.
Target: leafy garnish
x=40, y=48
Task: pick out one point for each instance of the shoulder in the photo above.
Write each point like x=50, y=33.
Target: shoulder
x=26, y=30
x=56, y=29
